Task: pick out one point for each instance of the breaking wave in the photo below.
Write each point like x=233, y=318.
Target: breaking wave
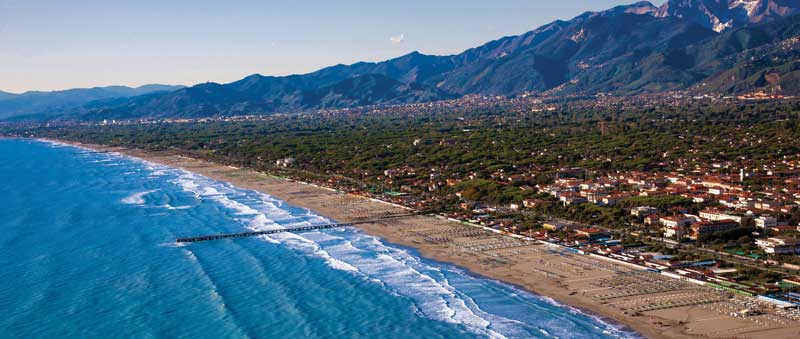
x=137, y=198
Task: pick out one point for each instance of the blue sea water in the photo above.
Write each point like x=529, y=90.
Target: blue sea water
x=86, y=251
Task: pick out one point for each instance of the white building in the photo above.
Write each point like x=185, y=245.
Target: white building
x=766, y=222
x=284, y=162
x=714, y=215
x=676, y=221
x=643, y=211
x=779, y=245
x=676, y=232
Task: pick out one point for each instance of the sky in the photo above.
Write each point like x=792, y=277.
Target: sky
x=60, y=44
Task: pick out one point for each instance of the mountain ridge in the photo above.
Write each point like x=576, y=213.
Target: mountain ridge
x=258, y=94
x=721, y=15
x=625, y=50
x=6, y=95
x=40, y=102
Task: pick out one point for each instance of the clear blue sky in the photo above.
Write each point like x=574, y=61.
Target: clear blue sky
x=58, y=44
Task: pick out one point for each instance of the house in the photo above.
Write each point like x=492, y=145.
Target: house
x=779, y=245
x=677, y=232
x=702, y=228
x=676, y=221
x=595, y=196
x=530, y=203
x=784, y=228
x=556, y=225
x=730, y=201
x=593, y=233
x=766, y=222
x=652, y=219
x=611, y=200
x=716, y=215
x=284, y=162
x=643, y=211
x=717, y=183
x=572, y=199
x=768, y=205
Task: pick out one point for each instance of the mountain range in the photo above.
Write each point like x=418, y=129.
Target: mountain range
x=56, y=102
x=720, y=15
x=721, y=47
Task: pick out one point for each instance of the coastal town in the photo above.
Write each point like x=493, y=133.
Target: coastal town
x=667, y=234
x=730, y=228
x=400, y=170
x=712, y=220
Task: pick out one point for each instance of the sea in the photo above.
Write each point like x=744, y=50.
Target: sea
x=87, y=250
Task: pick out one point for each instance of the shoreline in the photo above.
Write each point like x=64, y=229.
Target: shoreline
x=426, y=254
x=618, y=325
x=549, y=277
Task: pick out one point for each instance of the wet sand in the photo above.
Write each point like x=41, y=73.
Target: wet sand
x=651, y=304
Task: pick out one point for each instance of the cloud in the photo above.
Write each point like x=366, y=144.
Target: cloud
x=398, y=39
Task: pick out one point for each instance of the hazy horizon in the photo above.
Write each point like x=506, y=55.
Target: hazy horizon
x=57, y=46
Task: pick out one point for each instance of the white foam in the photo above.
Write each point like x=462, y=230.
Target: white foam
x=395, y=269
x=174, y=208
x=336, y=263
x=191, y=183
x=136, y=198
x=173, y=244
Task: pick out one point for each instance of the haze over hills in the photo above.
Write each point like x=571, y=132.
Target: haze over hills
x=258, y=93
x=42, y=103
x=4, y=95
x=708, y=46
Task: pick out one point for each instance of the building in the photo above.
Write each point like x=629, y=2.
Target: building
x=677, y=232
x=780, y=245
x=768, y=205
x=766, y=222
x=643, y=211
x=530, y=203
x=611, y=200
x=595, y=196
x=573, y=199
x=676, y=221
x=715, y=215
x=284, y=162
x=555, y=225
x=652, y=219
x=593, y=233
x=702, y=228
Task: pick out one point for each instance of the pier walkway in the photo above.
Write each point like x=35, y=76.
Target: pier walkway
x=289, y=230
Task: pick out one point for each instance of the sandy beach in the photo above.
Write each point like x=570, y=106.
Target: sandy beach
x=653, y=305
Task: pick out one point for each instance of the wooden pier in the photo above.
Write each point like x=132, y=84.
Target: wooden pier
x=287, y=230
